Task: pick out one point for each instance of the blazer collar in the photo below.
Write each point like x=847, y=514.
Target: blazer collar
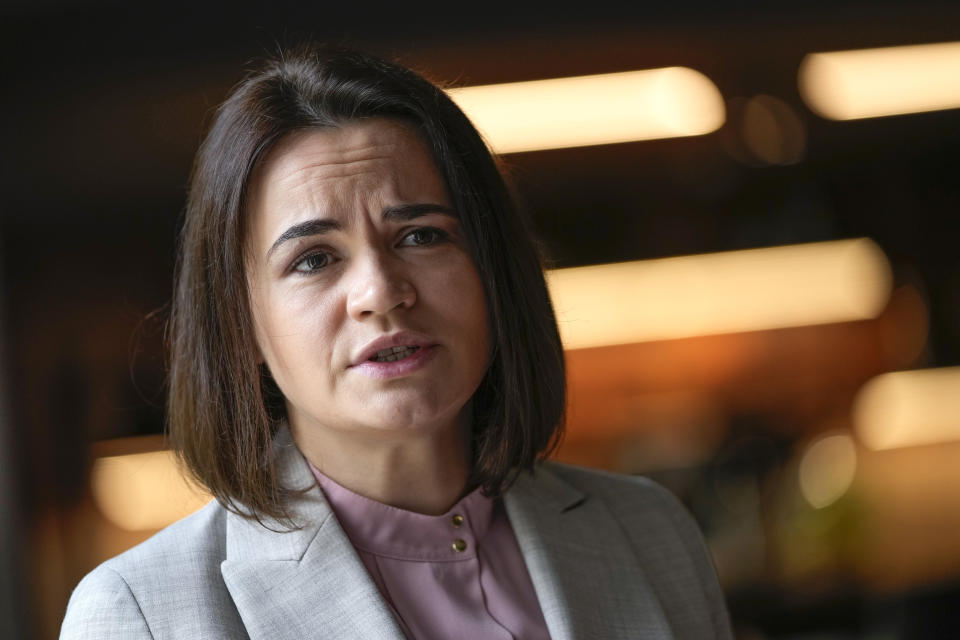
x=309, y=582
x=304, y=583
x=586, y=575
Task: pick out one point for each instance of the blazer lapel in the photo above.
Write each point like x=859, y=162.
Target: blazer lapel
x=586, y=575
x=307, y=583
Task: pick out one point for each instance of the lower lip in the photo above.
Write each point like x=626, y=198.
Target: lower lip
x=383, y=370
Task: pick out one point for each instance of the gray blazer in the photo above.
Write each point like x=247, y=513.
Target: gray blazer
x=610, y=557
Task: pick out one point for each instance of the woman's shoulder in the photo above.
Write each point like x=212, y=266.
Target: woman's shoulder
x=650, y=514
x=187, y=541
x=615, y=489
x=664, y=538
x=179, y=563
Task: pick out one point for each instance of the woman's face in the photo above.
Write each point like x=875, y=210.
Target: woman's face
x=367, y=307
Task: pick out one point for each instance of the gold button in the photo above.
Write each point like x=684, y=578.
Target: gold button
x=457, y=520
x=459, y=545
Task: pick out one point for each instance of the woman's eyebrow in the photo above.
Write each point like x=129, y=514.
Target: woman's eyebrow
x=308, y=228
x=404, y=212
x=396, y=213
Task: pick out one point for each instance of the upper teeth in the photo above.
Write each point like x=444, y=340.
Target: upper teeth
x=394, y=353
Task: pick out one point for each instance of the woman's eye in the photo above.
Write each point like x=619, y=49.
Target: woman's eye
x=426, y=235
x=312, y=262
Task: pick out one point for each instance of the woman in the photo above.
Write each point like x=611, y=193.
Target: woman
x=365, y=369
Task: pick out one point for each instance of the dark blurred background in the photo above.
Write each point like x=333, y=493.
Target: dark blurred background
x=104, y=103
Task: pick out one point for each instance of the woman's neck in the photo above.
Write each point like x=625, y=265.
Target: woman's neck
x=424, y=473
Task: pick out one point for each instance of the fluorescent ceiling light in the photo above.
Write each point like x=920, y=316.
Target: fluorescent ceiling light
x=867, y=83
x=716, y=293
x=908, y=408
x=596, y=109
x=143, y=491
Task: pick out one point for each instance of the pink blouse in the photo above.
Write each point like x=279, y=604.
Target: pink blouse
x=457, y=575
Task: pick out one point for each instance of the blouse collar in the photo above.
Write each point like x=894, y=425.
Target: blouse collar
x=388, y=531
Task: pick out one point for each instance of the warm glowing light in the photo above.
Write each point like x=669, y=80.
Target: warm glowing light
x=772, y=132
x=827, y=469
x=597, y=109
x=143, y=491
x=720, y=293
x=867, y=83
x=908, y=408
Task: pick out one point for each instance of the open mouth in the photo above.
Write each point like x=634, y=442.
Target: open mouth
x=394, y=353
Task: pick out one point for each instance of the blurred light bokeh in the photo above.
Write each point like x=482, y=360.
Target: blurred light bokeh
x=589, y=110
x=143, y=491
x=736, y=291
x=909, y=408
x=887, y=81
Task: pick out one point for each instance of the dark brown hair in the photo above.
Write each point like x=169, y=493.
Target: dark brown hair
x=224, y=408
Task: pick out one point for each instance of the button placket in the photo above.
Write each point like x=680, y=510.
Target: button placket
x=459, y=544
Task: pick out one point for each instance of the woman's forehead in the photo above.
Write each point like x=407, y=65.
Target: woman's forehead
x=330, y=149
x=362, y=161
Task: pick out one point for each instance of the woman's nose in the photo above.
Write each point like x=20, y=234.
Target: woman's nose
x=379, y=285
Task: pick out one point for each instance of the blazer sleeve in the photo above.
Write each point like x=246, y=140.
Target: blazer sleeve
x=103, y=607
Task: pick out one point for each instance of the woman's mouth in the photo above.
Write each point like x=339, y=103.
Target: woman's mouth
x=394, y=353
x=394, y=362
